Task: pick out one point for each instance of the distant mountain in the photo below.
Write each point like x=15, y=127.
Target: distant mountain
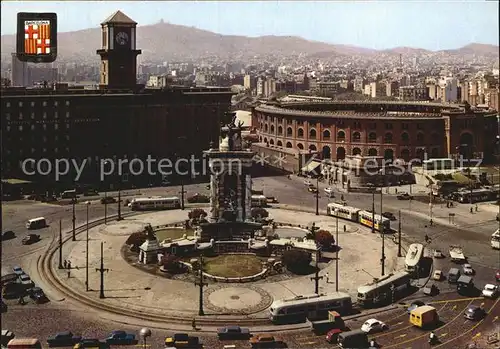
x=165, y=41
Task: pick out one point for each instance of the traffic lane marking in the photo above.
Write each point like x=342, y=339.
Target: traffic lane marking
x=455, y=300
x=492, y=308
x=425, y=334
x=383, y=334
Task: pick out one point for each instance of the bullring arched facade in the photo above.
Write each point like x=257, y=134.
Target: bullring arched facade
x=389, y=129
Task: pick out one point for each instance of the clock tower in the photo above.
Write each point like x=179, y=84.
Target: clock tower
x=118, y=52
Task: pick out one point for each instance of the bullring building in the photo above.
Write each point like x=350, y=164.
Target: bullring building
x=336, y=130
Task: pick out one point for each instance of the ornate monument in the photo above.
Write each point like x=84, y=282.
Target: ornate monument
x=231, y=187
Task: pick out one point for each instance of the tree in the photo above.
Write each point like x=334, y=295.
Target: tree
x=259, y=213
x=136, y=239
x=170, y=262
x=196, y=214
x=296, y=260
x=324, y=238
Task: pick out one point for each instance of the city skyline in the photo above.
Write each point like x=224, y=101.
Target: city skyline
x=379, y=25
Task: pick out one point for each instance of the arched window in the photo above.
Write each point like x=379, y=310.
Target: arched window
x=288, y=144
x=279, y=144
x=265, y=139
x=300, y=132
x=340, y=153
x=327, y=152
x=372, y=137
x=356, y=151
x=388, y=138
x=341, y=136
x=420, y=138
x=405, y=154
x=271, y=142
x=272, y=128
x=389, y=154
x=405, y=138
x=312, y=133
x=300, y=146
x=326, y=134
x=280, y=130
x=289, y=131
x=265, y=128
x=356, y=137
x=372, y=152
x=312, y=147
x=260, y=139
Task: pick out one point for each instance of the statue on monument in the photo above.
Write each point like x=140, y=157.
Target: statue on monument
x=149, y=232
x=231, y=134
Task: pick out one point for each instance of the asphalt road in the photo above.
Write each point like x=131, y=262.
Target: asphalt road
x=43, y=320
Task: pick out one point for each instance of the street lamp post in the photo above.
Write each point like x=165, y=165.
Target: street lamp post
x=60, y=245
x=337, y=254
x=381, y=228
x=201, y=284
x=87, y=253
x=317, y=195
x=74, y=218
x=399, y=235
x=102, y=270
x=119, y=200
x=316, y=277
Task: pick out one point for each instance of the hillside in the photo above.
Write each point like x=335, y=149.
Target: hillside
x=166, y=41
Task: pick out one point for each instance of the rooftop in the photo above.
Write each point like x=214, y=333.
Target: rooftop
x=119, y=18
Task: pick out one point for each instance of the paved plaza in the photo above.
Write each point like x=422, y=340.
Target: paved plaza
x=130, y=287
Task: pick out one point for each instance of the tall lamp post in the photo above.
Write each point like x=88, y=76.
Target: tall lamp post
x=119, y=198
x=337, y=254
x=87, y=252
x=469, y=156
x=105, y=199
x=60, y=245
x=201, y=284
x=317, y=195
x=381, y=228
x=73, y=202
x=181, y=143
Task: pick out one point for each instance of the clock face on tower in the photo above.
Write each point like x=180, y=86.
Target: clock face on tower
x=121, y=38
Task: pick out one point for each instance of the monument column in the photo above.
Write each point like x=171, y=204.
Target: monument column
x=248, y=197
x=240, y=194
x=213, y=196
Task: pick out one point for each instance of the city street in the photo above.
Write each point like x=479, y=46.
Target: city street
x=43, y=320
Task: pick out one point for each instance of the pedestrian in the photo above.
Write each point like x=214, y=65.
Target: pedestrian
x=69, y=264
x=471, y=211
x=193, y=324
x=432, y=222
x=69, y=273
x=327, y=277
x=65, y=264
x=476, y=208
x=426, y=238
x=21, y=300
x=396, y=190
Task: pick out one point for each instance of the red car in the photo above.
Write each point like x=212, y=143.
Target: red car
x=497, y=276
x=332, y=335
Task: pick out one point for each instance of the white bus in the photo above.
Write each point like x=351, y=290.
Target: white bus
x=342, y=211
x=309, y=306
x=495, y=240
x=159, y=203
x=36, y=223
x=381, y=223
x=69, y=194
x=383, y=290
x=413, y=257
x=259, y=201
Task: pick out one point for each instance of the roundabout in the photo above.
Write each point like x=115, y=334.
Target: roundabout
x=233, y=265
x=140, y=296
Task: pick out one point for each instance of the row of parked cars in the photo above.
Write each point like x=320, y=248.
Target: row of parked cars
x=19, y=284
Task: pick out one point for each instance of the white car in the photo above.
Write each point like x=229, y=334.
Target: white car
x=373, y=325
x=307, y=183
x=438, y=275
x=490, y=291
x=328, y=191
x=467, y=269
x=438, y=254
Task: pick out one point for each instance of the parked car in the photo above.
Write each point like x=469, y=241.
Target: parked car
x=198, y=198
x=438, y=275
x=329, y=192
x=373, y=325
x=467, y=269
x=307, y=182
x=12, y=290
x=272, y=200
x=108, y=200
x=7, y=235
x=490, y=291
x=63, y=339
x=8, y=279
x=474, y=312
x=438, y=254
x=233, y=332
x=181, y=340
x=37, y=294
x=121, y=338
x=332, y=335
x=415, y=305
x=404, y=196
x=313, y=190
x=431, y=290
x=263, y=341
x=26, y=281
x=389, y=215
x=91, y=344
x=30, y=239
x=18, y=270
x=497, y=276
x=7, y=336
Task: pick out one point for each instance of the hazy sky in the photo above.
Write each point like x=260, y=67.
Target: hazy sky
x=384, y=24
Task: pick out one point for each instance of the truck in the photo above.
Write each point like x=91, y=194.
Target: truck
x=321, y=327
x=457, y=254
x=264, y=340
x=424, y=316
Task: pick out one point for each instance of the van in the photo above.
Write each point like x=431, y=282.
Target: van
x=353, y=339
x=24, y=343
x=465, y=285
x=453, y=275
x=424, y=316
x=36, y=223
